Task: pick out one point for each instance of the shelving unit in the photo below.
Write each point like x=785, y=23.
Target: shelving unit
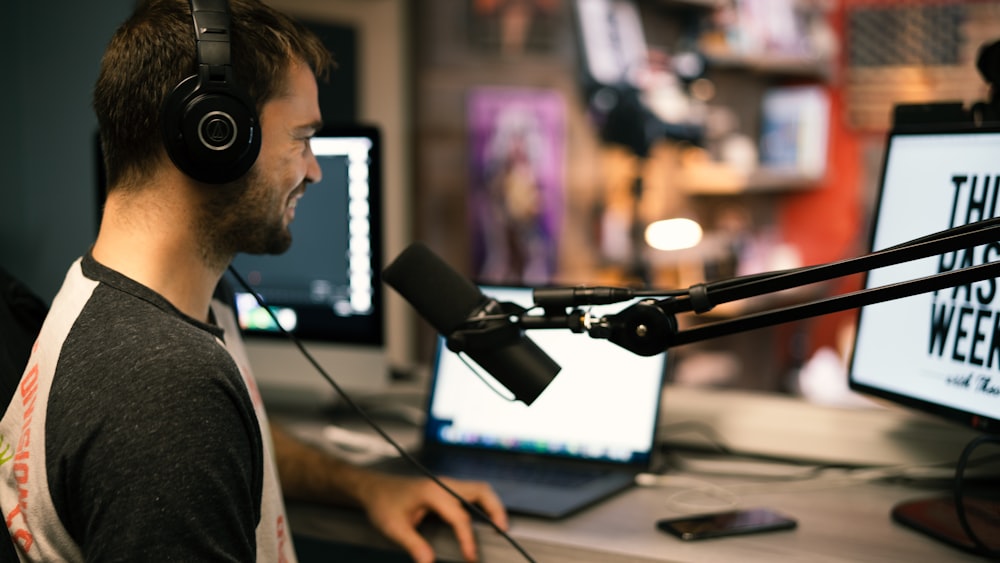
x=741, y=80
x=721, y=193
x=600, y=188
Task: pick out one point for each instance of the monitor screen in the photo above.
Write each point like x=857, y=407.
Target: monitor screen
x=937, y=352
x=325, y=289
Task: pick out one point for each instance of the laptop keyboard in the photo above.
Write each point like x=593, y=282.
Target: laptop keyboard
x=510, y=470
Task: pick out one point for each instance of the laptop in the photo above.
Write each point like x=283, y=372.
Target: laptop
x=584, y=439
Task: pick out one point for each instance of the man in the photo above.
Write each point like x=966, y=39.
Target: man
x=135, y=433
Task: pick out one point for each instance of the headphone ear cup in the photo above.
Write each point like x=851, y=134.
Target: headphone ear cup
x=210, y=133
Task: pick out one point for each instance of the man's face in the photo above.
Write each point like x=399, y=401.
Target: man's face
x=257, y=221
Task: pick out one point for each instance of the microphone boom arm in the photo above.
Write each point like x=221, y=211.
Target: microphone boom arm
x=815, y=308
x=650, y=326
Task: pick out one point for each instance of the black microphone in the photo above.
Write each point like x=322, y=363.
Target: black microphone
x=451, y=303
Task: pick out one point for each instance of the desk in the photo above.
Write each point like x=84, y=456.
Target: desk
x=845, y=521
x=848, y=523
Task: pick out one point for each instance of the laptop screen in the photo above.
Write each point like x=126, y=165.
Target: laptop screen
x=940, y=351
x=603, y=405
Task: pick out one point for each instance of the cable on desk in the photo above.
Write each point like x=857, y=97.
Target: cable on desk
x=719, y=446
x=477, y=512
x=713, y=437
x=742, y=466
x=731, y=494
x=729, y=498
x=906, y=473
x=800, y=478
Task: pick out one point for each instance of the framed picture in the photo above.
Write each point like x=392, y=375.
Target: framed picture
x=517, y=152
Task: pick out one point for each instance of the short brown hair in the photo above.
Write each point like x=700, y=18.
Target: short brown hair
x=154, y=50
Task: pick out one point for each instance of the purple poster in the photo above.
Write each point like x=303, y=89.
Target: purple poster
x=517, y=148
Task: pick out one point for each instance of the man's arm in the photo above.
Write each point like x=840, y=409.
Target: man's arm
x=394, y=504
x=306, y=473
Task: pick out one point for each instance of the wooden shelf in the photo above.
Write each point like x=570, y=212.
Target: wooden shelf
x=776, y=64
x=717, y=179
x=707, y=4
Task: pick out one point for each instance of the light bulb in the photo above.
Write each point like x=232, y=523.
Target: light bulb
x=673, y=234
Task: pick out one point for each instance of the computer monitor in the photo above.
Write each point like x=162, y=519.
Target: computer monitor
x=935, y=352
x=326, y=288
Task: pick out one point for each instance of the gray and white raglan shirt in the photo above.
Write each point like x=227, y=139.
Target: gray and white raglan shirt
x=137, y=434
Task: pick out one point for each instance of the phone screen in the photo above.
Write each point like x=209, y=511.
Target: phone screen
x=727, y=523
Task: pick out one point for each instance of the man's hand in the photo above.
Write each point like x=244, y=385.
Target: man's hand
x=396, y=505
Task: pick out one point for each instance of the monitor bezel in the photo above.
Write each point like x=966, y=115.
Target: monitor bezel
x=966, y=418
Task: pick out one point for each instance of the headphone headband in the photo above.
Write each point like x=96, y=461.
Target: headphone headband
x=210, y=125
x=211, y=32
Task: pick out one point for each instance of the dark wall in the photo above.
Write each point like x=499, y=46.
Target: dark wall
x=338, y=96
x=50, y=53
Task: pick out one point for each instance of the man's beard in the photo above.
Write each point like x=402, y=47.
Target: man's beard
x=243, y=216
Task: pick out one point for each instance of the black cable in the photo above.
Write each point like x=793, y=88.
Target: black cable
x=692, y=426
x=486, y=382
x=472, y=508
x=721, y=448
x=980, y=547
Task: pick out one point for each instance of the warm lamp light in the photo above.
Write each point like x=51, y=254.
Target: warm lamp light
x=673, y=234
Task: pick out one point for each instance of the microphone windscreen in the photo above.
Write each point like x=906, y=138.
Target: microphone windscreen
x=441, y=295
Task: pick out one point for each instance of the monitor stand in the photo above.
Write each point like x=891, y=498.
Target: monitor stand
x=938, y=517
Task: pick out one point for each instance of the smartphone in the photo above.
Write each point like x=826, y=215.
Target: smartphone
x=729, y=523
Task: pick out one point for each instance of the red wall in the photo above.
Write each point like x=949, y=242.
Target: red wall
x=826, y=224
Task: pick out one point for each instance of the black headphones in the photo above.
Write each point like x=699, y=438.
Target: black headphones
x=210, y=125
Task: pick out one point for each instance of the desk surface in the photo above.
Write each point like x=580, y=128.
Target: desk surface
x=840, y=517
x=837, y=522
